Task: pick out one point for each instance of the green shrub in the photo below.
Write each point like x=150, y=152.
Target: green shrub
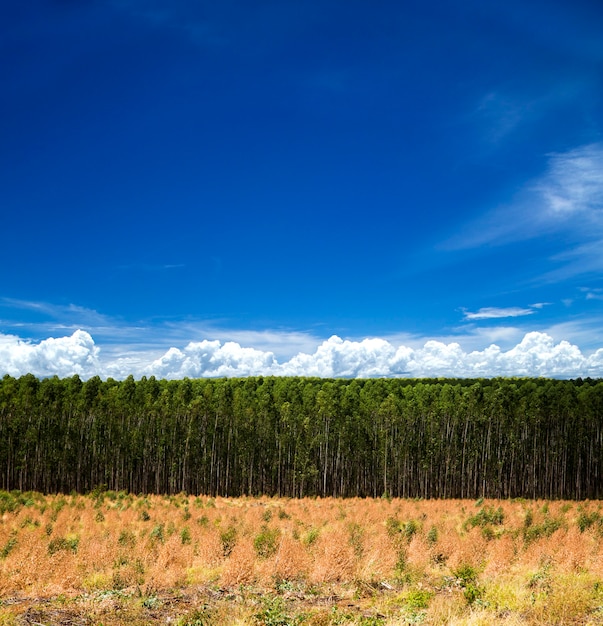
x=274, y=613
x=432, y=536
x=228, y=538
x=486, y=515
x=8, y=547
x=126, y=539
x=266, y=543
x=418, y=599
x=158, y=533
x=68, y=544
x=586, y=520
x=356, y=539
x=545, y=529
x=185, y=536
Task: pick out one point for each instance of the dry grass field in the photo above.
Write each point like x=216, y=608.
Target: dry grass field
x=113, y=558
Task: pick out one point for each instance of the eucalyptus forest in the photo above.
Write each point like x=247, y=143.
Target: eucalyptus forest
x=299, y=437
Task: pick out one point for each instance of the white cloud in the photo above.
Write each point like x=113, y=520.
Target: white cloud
x=567, y=199
x=537, y=354
x=63, y=356
x=211, y=358
x=488, y=313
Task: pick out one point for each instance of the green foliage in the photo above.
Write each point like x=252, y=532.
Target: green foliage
x=485, y=516
x=266, y=542
x=587, y=519
x=418, y=599
x=197, y=617
x=185, y=536
x=545, y=529
x=8, y=547
x=401, y=531
x=274, y=613
x=311, y=537
x=432, y=536
x=126, y=539
x=466, y=576
x=356, y=539
x=228, y=538
x=158, y=533
x=300, y=437
x=67, y=544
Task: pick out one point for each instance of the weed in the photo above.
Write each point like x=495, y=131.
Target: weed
x=127, y=539
x=371, y=621
x=273, y=613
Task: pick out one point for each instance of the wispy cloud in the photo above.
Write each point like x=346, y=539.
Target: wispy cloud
x=488, y=313
x=568, y=197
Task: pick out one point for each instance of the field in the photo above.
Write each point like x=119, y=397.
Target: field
x=113, y=558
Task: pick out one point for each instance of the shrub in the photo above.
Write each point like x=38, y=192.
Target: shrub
x=266, y=543
x=185, y=536
x=486, y=515
x=466, y=576
x=356, y=539
x=545, y=529
x=586, y=520
x=274, y=613
x=126, y=539
x=228, y=538
x=418, y=599
x=8, y=547
x=398, y=531
x=68, y=544
x=432, y=536
x=157, y=533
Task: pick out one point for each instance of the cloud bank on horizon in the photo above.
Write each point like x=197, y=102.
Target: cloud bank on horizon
x=536, y=355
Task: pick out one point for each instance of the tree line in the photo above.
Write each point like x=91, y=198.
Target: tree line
x=297, y=437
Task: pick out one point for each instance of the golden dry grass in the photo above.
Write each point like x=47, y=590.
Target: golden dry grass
x=113, y=558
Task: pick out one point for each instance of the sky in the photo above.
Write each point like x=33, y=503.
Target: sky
x=333, y=188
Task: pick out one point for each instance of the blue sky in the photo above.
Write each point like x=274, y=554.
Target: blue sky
x=330, y=188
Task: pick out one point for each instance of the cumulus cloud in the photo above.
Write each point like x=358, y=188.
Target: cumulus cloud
x=63, y=356
x=537, y=354
x=211, y=358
